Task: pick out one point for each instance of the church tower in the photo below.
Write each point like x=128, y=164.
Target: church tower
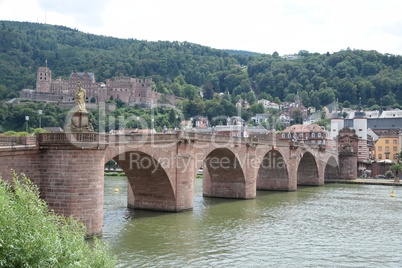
x=43, y=79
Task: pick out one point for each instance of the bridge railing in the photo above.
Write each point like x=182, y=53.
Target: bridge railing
x=71, y=138
x=20, y=140
x=141, y=138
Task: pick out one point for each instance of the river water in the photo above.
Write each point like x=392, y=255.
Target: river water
x=337, y=225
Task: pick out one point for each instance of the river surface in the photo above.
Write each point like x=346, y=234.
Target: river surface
x=337, y=225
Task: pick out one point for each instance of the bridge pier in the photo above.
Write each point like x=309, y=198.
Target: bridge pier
x=72, y=183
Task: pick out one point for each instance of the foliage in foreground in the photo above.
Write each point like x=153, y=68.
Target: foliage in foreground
x=33, y=236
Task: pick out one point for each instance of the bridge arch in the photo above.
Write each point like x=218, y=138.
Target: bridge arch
x=307, y=170
x=223, y=175
x=273, y=172
x=149, y=185
x=331, y=169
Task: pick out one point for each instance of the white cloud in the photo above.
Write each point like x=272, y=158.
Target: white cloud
x=88, y=12
x=285, y=26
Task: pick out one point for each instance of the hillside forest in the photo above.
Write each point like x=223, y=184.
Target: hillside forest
x=186, y=69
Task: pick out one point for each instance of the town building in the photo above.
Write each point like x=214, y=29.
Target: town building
x=259, y=118
x=230, y=130
x=186, y=124
x=201, y=122
x=378, y=120
x=387, y=146
x=284, y=120
x=310, y=134
x=268, y=104
x=235, y=121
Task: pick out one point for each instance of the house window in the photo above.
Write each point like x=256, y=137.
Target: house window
x=386, y=141
x=380, y=156
x=301, y=135
x=395, y=149
x=394, y=141
x=283, y=135
x=313, y=135
x=387, y=148
x=380, y=148
x=289, y=135
x=319, y=135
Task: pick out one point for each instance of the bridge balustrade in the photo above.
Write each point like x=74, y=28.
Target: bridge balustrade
x=14, y=140
x=69, y=138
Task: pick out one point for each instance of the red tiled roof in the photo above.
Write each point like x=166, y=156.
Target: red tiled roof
x=304, y=128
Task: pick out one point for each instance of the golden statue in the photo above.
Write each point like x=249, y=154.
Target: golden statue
x=80, y=97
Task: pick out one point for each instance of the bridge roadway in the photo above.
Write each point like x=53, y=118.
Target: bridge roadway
x=161, y=168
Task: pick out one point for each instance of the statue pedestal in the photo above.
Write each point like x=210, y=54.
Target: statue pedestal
x=80, y=122
x=80, y=119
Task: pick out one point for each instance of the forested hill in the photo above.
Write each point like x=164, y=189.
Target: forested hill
x=182, y=67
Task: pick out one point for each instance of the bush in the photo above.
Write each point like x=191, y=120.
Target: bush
x=33, y=236
x=14, y=133
x=388, y=174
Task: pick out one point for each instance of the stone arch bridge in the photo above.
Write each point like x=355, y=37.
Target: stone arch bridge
x=161, y=168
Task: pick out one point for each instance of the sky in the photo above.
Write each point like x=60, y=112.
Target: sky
x=283, y=26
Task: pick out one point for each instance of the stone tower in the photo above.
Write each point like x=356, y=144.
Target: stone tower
x=43, y=79
x=360, y=126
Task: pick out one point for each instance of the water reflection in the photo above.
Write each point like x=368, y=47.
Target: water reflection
x=334, y=225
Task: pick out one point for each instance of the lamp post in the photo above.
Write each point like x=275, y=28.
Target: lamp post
x=40, y=118
x=27, y=119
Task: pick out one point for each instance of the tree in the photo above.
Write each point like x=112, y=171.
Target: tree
x=33, y=236
x=297, y=116
x=191, y=92
x=371, y=102
x=388, y=100
x=120, y=103
x=256, y=108
x=396, y=168
x=399, y=157
x=208, y=91
x=305, y=98
x=326, y=96
x=250, y=97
